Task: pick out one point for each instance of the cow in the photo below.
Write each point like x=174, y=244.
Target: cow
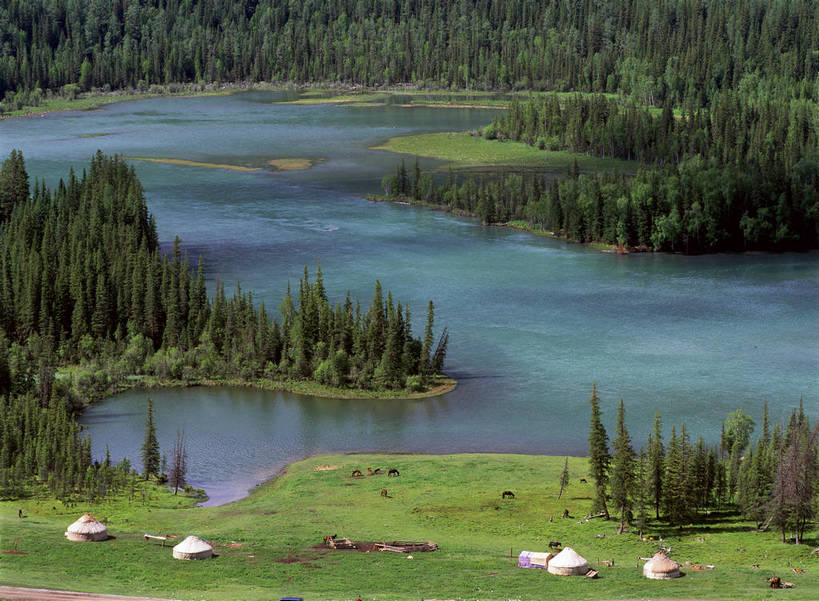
x=384, y=492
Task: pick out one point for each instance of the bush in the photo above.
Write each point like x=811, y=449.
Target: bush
x=414, y=383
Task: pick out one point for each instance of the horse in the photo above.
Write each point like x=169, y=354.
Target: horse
x=384, y=492
x=393, y=472
x=582, y=480
x=553, y=544
x=355, y=473
x=377, y=470
x=327, y=539
x=507, y=494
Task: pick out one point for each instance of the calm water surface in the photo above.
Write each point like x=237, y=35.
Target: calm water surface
x=533, y=322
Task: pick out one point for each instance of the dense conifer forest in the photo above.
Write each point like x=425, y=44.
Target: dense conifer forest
x=771, y=481
x=84, y=285
x=683, y=51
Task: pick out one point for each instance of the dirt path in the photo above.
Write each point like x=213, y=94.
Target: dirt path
x=43, y=594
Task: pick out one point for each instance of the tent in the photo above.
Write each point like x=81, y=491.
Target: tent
x=86, y=529
x=534, y=559
x=568, y=563
x=193, y=547
x=661, y=567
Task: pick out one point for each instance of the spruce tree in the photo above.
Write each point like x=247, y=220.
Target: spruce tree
x=150, y=448
x=599, y=457
x=622, y=470
x=564, y=477
x=656, y=469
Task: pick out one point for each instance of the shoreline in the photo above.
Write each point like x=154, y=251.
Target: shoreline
x=95, y=99
x=515, y=225
x=441, y=385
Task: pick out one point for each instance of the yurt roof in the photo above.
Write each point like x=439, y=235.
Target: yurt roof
x=87, y=525
x=660, y=563
x=568, y=558
x=192, y=544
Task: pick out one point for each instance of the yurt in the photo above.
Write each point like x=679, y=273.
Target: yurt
x=534, y=559
x=661, y=567
x=193, y=547
x=86, y=529
x=568, y=563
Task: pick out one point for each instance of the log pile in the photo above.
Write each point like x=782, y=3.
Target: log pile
x=406, y=546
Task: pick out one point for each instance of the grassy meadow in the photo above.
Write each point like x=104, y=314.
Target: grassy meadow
x=464, y=151
x=269, y=544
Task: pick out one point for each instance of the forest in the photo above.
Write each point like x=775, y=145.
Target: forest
x=685, y=52
x=88, y=300
x=771, y=482
x=696, y=206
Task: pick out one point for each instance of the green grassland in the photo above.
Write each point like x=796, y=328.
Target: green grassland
x=464, y=151
x=269, y=544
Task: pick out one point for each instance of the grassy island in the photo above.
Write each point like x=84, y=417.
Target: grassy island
x=270, y=543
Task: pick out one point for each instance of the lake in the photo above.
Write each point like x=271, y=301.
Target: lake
x=533, y=322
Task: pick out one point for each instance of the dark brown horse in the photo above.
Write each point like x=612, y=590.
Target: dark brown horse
x=507, y=494
x=393, y=472
x=356, y=473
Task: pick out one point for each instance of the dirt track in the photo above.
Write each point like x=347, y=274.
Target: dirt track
x=42, y=594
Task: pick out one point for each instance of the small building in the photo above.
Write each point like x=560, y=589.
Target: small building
x=534, y=559
x=568, y=563
x=661, y=567
x=86, y=529
x=193, y=547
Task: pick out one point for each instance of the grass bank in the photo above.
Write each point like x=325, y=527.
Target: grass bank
x=464, y=151
x=269, y=544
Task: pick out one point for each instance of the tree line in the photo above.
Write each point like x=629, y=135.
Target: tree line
x=771, y=133
x=694, y=207
x=686, y=51
x=83, y=283
x=772, y=481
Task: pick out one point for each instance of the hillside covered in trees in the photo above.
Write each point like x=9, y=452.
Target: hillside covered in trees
x=85, y=287
x=684, y=51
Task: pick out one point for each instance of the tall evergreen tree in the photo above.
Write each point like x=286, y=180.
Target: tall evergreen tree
x=622, y=470
x=656, y=465
x=599, y=457
x=150, y=446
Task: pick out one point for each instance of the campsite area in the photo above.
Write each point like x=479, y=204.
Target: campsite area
x=271, y=544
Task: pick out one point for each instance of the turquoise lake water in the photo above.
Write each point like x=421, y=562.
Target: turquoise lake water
x=533, y=322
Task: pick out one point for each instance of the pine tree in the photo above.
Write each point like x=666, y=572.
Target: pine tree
x=622, y=470
x=656, y=469
x=564, y=477
x=150, y=448
x=179, y=463
x=599, y=457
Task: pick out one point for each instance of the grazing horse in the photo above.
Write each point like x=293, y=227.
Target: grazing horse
x=355, y=473
x=393, y=472
x=377, y=470
x=507, y=494
x=553, y=544
x=384, y=492
x=582, y=480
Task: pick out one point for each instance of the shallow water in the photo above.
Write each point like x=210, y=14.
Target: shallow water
x=533, y=321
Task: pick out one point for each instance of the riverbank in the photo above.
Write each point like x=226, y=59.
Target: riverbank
x=517, y=225
x=270, y=543
x=441, y=384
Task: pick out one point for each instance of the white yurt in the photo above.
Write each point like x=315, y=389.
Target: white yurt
x=193, y=547
x=568, y=563
x=86, y=529
x=661, y=567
